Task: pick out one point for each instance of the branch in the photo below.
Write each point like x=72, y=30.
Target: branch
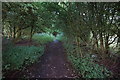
x=113, y=40
x=22, y=28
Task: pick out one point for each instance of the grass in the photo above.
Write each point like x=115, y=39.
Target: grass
x=43, y=38
x=18, y=56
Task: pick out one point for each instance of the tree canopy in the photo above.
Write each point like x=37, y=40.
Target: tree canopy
x=95, y=24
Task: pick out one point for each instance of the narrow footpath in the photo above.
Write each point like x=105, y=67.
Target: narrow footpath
x=53, y=64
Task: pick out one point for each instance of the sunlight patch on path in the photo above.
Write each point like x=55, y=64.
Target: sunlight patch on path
x=56, y=41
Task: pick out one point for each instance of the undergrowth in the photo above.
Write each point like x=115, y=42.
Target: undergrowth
x=84, y=65
x=87, y=68
x=16, y=57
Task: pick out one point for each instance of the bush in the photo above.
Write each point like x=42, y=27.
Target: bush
x=88, y=69
x=85, y=65
x=18, y=56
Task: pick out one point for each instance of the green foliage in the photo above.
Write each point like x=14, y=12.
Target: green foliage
x=88, y=23
x=98, y=20
x=88, y=69
x=60, y=37
x=84, y=65
x=18, y=56
x=43, y=38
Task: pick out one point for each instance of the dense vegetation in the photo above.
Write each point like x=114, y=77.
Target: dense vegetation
x=19, y=56
x=90, y=32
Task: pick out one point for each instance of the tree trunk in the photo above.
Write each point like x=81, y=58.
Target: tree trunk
x=14, y=33
x=102, y=45
x=106, y=44
x=95, y=43
x=19, y=34
x=78, y=47
x=31, y=33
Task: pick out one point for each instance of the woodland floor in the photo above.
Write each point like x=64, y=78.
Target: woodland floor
x=53, y=64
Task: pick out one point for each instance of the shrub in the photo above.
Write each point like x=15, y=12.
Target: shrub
x=84, y=65
x=88, y=69
x=18, y=56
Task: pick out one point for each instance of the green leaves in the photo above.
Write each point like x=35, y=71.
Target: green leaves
x=84, y=65
x=87, y=68
x=19, y=56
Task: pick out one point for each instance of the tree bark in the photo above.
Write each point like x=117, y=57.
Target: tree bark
x=14, y=33
x=31, y=33
x=102, y=45
x=106, y=44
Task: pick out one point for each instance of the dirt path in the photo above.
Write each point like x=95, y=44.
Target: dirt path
x=53, y=64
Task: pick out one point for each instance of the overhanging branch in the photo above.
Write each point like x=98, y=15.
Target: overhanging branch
x=113, y=40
